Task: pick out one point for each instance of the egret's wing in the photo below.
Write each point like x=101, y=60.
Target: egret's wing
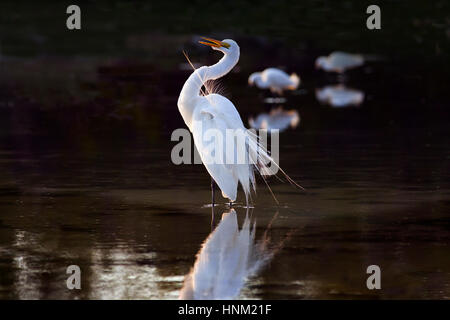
x=227, y=112
x=207, y=123
x=227, y=162
x=277, y=77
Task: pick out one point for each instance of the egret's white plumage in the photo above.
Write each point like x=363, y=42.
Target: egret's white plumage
x=278, y=119
x=202, y=112
x=339, y=61
x=226, y=259
x=274, y=79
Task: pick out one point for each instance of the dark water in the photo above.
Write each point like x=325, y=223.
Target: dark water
x=133, y=222
x=86, y=176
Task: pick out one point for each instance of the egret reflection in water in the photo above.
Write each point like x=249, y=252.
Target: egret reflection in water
x=274, y=100
x=278, y=119
x=339, y=96
x=227, y=258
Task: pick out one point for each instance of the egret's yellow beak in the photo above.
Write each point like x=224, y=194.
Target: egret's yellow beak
x=214, y=43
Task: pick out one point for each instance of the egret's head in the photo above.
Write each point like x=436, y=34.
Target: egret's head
x=227, y=46
x=321, y=62
x=253, y=77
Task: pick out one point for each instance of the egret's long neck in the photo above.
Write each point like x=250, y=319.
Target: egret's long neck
x=222, y=67
x=187, y=100
x=198, y=78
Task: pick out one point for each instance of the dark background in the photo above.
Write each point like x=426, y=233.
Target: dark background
x=128, y=53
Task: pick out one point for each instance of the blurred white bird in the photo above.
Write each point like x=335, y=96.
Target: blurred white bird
x=226, y=259
x=277, y=119
x=340, y=96
x=339, y=61
x=274, y=79
x=213, y=112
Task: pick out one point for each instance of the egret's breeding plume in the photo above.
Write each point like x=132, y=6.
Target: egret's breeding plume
x=274, y=79
x=208, y=111
x=278, y=119
x=339, y=61
x=340, y=96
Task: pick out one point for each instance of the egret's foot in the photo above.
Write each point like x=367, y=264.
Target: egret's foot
x=238, y=205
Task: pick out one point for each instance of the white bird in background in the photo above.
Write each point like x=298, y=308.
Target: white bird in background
x=278, y=118
x=340, y=96
x=226, y=259
x=339, y=61
x=213, y=111
x=274, y=79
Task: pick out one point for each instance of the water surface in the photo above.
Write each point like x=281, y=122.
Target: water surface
x=133, y=222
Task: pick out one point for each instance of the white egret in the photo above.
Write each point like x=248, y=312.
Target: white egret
x=209, y=110
x=278, y=119
x=274, y=79
x=340, y=96
x=339, y=61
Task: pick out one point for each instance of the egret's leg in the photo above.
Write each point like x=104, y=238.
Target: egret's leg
x=213, y=188
x=213, y=223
